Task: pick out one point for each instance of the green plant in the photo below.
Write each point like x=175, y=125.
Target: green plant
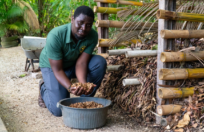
x=145, y=60
x=16, y=17
x=53, y=13
x=155, y=47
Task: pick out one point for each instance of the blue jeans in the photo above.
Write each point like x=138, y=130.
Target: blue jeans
x=52, y=91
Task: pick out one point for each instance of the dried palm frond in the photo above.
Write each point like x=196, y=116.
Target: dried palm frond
x=147, y=13
x=195, y=6
x=29, y=15
x=140, y=15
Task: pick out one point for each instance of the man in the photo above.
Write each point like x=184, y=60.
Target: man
x=68, y=54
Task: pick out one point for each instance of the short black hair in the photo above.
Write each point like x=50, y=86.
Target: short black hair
x=84, y=10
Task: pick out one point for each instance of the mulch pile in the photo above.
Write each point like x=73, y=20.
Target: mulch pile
x=139, y=100
x=191, y=116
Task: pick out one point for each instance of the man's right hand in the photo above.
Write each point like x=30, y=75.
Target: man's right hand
x=78, y=91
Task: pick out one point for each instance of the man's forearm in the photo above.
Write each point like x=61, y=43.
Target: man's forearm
x=81, y=72
x=57, y=68
x=62, y=78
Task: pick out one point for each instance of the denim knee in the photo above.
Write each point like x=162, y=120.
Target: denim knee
x=55, y=111
x=99, y=60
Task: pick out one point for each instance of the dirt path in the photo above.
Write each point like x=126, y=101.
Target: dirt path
x=18, y=102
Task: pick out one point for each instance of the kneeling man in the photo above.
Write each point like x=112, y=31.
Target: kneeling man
x=68, y=54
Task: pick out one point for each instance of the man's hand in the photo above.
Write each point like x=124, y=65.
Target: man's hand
x=78, y=91
x=90, y=90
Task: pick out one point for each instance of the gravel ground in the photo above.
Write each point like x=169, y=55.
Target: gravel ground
x=19, y=109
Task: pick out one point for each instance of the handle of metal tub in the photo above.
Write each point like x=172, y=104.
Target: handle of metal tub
x=58, y=105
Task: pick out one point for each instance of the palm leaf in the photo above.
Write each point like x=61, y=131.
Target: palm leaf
x=15, y=11
x=22, y=27
x=12, y=26
x=18, y=25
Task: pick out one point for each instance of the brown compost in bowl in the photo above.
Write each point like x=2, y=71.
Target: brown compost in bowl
x=86, y=105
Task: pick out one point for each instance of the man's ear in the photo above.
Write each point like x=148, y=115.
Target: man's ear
x=72, y=21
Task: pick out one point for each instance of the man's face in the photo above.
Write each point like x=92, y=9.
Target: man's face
x=81, y=26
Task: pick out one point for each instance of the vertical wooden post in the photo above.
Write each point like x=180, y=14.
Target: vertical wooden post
x=163, y=44
x=102, y=32
x=171, y=6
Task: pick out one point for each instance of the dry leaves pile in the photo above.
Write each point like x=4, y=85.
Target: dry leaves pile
x=191, y=117
x=137, y=100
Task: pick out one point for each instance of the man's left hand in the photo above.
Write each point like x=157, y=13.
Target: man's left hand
x=90, y=90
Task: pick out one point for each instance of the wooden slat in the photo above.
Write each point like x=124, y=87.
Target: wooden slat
x=171, y=6
x=179, y=16
x=122, y=2
x=161, y=47
x=102, y=32
x=163, y=44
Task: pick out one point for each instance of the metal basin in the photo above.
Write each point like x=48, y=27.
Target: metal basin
x=33, y=46
x=84, y=118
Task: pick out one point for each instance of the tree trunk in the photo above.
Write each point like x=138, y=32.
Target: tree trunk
x=40, y=15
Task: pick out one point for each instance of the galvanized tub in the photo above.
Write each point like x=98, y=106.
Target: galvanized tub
x=84, y=118
x=33, y=46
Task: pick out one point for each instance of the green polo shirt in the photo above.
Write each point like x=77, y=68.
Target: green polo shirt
x=59, y=45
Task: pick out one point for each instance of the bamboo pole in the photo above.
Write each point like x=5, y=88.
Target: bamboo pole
x=169, y=34
x=119, y=24
x=135, y=41
x=131, y=81
x=175, y=74
x=164, y=14
x=106, y=1
x=168, y=109
x=108, y=23
x=171, y=93
x=122, y=2
x=104, y=55
x=140, y=53
x=113, y=67
x=107, y=10
x=120, y=51
x=180, y=56
x=105, y=42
